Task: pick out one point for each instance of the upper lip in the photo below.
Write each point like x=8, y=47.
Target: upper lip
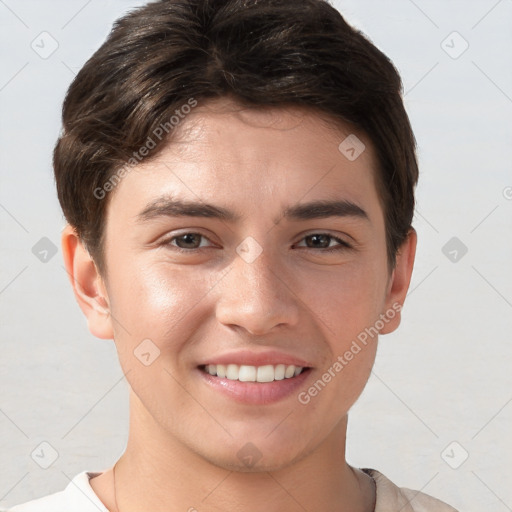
x=250, y=358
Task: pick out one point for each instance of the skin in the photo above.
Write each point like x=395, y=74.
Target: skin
x=295, y=297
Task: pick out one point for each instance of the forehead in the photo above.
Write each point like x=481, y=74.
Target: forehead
x=255, y=159
x=226, y=129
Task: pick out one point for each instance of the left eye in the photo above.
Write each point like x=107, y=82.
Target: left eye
x=323, y=241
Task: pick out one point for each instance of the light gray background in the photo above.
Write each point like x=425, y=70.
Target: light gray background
x=444, y=376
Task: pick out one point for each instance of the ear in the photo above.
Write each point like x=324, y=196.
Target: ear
x=399, y=283
x=88, y=285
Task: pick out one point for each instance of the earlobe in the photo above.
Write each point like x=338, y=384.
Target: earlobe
x=399, y=283
x=87, y=283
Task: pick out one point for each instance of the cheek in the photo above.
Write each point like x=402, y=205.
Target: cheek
x=154, y=301
x=345, y=301
x=155, y=313
x=348, y=308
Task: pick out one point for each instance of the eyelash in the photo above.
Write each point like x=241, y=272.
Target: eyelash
x=342, y=245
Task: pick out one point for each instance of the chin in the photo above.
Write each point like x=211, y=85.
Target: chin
x=255, y=457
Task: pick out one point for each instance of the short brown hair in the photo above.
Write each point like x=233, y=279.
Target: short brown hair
x=260, y=52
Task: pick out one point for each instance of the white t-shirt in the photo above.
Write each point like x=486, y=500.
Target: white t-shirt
x=78, y=496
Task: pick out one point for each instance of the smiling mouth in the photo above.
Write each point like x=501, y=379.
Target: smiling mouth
x=246, y=373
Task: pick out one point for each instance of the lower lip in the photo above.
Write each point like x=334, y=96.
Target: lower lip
x=256, y=393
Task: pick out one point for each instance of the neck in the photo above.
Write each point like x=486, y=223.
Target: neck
x=157, y=472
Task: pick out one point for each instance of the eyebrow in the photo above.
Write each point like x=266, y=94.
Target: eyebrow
x=167, y=206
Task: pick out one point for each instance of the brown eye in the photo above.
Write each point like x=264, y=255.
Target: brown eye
x=324, y=241
x=318, y=241
x=187, y=240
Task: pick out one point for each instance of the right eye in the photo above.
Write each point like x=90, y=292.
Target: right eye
x=185, y=242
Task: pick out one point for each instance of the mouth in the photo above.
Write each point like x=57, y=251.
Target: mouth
x=246, y=373
x=255, y=385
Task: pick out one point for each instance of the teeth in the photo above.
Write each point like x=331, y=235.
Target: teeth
x=231, y=371
x=289, y=372
x=279, y=372
x=265, y=373
x=244, y=373
x=247, y=373
x=221, y=370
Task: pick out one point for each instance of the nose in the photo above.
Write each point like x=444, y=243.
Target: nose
x=256, y=296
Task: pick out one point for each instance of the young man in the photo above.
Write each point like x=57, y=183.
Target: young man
x=238, y=180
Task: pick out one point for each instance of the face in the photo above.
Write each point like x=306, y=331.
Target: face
x=247, y=250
